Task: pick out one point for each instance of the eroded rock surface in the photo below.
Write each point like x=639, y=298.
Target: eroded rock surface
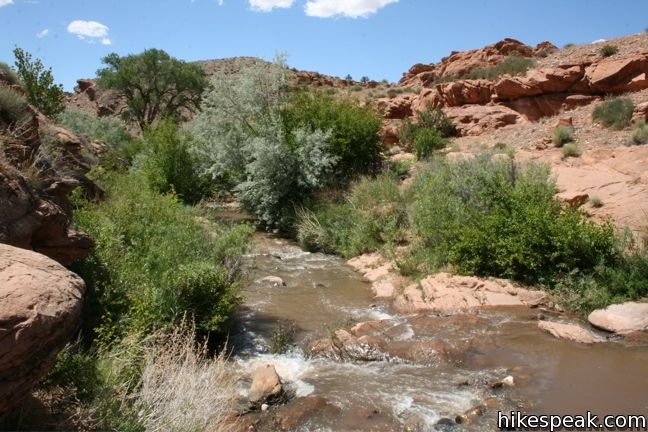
x=40, y=306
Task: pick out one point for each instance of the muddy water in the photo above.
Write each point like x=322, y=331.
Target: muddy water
x=321, y=294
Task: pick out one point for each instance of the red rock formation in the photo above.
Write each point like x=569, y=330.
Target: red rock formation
x=39, y=313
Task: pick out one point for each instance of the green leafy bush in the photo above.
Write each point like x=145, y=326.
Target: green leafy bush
x=168, y=165
x=494, y=218
x=428, y=118
x=571, y=149
x=511, y=65
x=275, y=150
x=608, y=50
x=153, y=263
x=372, y=214
x=354, y=131
x=427, y=141
x=640, y=133
x=614, y=113
x=105, y=129
x=563, y=135
x=38, y=84
x=9, y=75
x=13, y=107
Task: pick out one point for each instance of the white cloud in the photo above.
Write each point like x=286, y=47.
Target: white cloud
x=5, y=2
x=89, y=29
x=348, y=8
x=268, y=5
x=41, y=34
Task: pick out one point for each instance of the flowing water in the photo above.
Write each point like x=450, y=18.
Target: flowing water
x=322, y=293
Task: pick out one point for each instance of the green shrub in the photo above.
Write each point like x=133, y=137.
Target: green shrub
x=9, y=75
x=354, y=131
x=38, y=84
x=357, y=88
x=608, y=50
x=511, y=65
x=168, y=165
x=446, y=79
x=428, y=118
x=614, y=113
x=274, y=149
x=13, y=107
x=427, y=141
x=569, y=45
x=393, y=92
x=371, y=215
x=494, y=218
x=542, y=54
x=153, y=263
x=105, y=129
x=596, y=202
x=563, y=135
x=571, y=149
x=640, y=133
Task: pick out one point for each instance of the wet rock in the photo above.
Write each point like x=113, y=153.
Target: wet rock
x=39, y=313
x=342, y=345
x=424, y=352
x=274, y=281
x=571, y=332
x=446, y=425
x=266, y=385
x=621, y=318
x=366, y=419
x=508, y=381
x=300, y=410
x=367, y=327
x=455, y=294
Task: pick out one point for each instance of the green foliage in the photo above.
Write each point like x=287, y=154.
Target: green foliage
x=38, y=84
x=372, y=214
x=348, y=77
x=571, y=149
x=429, y=118
x=494, y=218
x=513, y=65
x=153, y=262
x=562, y=135
x=427, y=141
x=167, y=164
x=569, y=45
x=13, y=106
x=274, y=149
x=105, y=129
x=283, y=336
x=614, y=113
x=354, y=131
x=9, y=75
x=608, y=50
x=357, y=88
x=364, y=79
x=156, y=86
x=542, y=54
x=446, y=79
x=640, y=133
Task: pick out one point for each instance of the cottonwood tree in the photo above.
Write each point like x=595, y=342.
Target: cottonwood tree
x=38, y=84
x=155, y=85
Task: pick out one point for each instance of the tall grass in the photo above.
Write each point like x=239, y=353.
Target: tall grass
x=511, y=65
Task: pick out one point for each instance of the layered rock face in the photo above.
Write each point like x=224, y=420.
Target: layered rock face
x=40, y=306
x=477, y=104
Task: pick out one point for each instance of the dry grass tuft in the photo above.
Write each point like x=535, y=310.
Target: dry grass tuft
x=183, y=388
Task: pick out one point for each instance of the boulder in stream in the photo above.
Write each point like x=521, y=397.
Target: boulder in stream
x=621, y=318
x=570, y=332
x=266, y=386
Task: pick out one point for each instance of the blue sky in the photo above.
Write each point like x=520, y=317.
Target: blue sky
x=377, y=38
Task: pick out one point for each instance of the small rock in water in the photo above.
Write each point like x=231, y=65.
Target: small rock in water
x=508, y=381
x=264, y=407
x=275, y=281
x=266, y=385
